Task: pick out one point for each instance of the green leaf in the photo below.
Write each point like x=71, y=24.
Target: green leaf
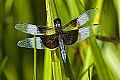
x=35, y=54
x=98, y=59
x=47, y=65
x=3, y=64
x=57, y=75
x=2, y=7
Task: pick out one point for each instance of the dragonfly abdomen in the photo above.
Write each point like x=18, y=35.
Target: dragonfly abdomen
x=62, y=48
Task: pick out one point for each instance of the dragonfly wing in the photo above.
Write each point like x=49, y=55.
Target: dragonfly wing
x=87, y=16
x=88, y=31
x=29, y=43
x=28, y=28
x=50, y=41
x=81, y=20
x=70, y=37
x=33, y=29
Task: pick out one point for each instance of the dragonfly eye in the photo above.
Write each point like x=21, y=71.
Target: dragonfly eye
x=57, y=21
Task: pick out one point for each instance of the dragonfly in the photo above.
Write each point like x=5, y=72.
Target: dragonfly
x=59, y=35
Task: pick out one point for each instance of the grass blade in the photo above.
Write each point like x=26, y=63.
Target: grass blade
x=34, y=75
x=98, y=59
x=57, y=75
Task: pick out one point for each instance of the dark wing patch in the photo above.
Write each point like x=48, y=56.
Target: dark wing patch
x=34, y=30
x=81, y=20
x=50, y=41
x=46, y=30
x=70, y=37
x=70, y=25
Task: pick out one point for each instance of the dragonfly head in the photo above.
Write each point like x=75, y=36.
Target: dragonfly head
x=57, y=23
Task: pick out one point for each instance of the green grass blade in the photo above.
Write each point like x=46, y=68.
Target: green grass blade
x=68, y=70
x=88, y=64
x=8, y=6
x=35, y=54
x=57, y=75
x=54, y=10
x=111, y=57
x=117, y=7
x=98, y=59
x=2, y=7
x=3, y=64
x=23, y=11
x=47, y=61
x=47, y=65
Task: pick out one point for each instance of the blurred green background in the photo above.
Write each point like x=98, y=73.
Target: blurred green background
x=88, y=60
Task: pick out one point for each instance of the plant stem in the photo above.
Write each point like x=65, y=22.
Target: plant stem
x=34, y=75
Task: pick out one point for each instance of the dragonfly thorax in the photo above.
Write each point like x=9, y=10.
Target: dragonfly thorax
x=57, y=23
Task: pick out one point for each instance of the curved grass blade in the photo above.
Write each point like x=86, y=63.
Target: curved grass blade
x=87, y=70
x=99, y=62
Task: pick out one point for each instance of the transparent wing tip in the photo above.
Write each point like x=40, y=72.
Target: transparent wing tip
x=21, y=43
x=96, y=28
x=29, y=43
x=19, y=26
x=28, y=28
x=95, y=9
